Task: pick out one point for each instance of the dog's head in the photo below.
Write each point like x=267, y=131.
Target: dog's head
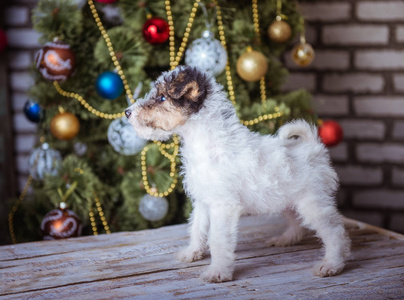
x=175, y=97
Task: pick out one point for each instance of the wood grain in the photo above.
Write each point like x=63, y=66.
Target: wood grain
x=142, y=265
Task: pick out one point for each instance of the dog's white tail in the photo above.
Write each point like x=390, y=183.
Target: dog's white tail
x=298, y=130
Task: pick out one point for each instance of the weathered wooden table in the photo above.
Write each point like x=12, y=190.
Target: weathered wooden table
x=142, y=265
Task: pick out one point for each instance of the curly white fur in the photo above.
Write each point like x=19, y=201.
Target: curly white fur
x=229, y=171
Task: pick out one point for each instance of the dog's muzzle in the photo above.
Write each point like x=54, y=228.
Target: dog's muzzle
x=128, y=112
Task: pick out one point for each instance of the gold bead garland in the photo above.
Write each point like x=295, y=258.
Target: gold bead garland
x=15, y=207
x=92, y=221
x=101, y=214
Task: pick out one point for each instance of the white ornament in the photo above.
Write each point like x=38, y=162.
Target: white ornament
x=123, y=138
x=207, y=54
x=153, y=208
x=44, y=161
x=80, y=148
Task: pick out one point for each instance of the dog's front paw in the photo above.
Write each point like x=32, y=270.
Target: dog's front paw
x=326, y=268
x=214, y=275
x=189, y=255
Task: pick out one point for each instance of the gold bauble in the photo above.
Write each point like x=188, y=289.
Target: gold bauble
x=64, y=126
x=252, y=65
x=303, y=54
x=279, y=31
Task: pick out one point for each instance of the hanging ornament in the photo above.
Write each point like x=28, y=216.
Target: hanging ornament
x=207, y=53
x=64, y=125
x=156, y=30
x=80, y=148
x=60, y=223
x=252, y=65
x=303, y=53
x=330, y=132
x=153, y=208
x=56, y=61
x=33, y=111
x=3, y=40
x=123, y=138
x=44, y=161
x=109, y=85
x=106, y=1
x=279, y=31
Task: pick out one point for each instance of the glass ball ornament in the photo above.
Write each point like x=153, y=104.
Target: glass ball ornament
x=60, y=223
x=303, y=54
x=252, y=65
x=56, y=61
x=44, y=161
x=330, y=133
x=279, y=31
x=64, y=126
x=123, y=138
x=109, y=85
x=207, y=53
x=156, y=31
x=33, y=111
x=153, y=208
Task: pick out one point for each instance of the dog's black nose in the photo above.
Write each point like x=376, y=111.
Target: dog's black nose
x=128, y=112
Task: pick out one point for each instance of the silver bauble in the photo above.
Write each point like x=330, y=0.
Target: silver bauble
x=123, y=138
x=153, y=208
x=207, y=53
x=44, y=161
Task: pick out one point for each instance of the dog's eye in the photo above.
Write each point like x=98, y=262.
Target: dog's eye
x=162, y=98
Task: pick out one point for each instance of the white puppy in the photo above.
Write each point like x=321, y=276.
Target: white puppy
x=229, y=171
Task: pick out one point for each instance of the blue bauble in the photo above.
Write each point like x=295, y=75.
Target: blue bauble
x=109, y=85
x=33, y=111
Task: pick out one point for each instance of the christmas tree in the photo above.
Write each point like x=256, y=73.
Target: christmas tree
x=98, y=58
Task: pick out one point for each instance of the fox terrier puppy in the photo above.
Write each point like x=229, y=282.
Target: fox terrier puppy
x=229, y=171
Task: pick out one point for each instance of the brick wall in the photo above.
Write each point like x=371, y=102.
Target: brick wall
x=357, y=78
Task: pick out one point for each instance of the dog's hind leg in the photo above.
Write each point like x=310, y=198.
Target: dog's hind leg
x=198, y=233
x=222, y=242
x=322, y=216
x=293, y=233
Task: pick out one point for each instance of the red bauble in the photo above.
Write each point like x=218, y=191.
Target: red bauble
x=330, y=133
x=106, y=1
x=156, y=31
x=3, y=40
x=56, y=61
x=60, y=223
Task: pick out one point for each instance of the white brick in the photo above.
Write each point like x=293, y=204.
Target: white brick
x=18, y=60
x=363, y=129
x=355, y=82
x=379, y=199
x=400, y=34
x=379, y=106
x=373, y=218
x=24, y=143
x=23, y=38
x=16, y=15
x=300, y=80
x=21, y=81
x=355, y=34
x=323, y=60
x=339, y=152
x=397, y=222
x=18, y=101
x=398, y=130
x=22, y=124
x=398, y=177
x=398, y=80
x=379, y=59
x=331, y=105
x=381, y=10
x=393, y=153
x=326, y=11
x=356, y=175
x=22, y=164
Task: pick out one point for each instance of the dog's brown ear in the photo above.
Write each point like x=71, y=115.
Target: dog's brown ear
x=181, y=87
